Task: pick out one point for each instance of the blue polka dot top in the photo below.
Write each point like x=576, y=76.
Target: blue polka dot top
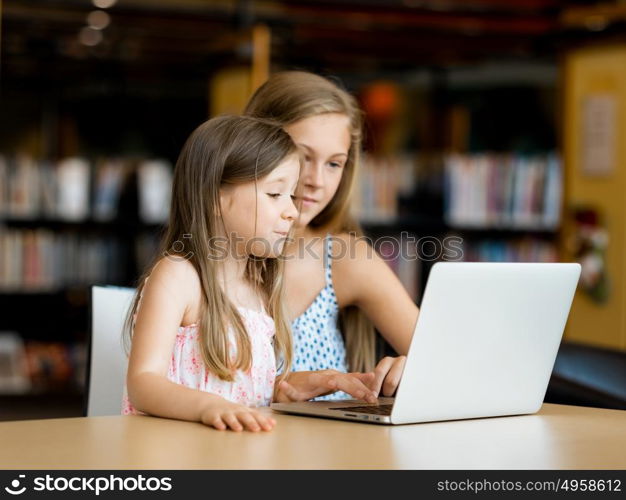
x=318, y=343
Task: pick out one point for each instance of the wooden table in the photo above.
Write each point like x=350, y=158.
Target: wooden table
x=558, y=437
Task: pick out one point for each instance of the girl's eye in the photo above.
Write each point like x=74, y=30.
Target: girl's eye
x=335, y=164
x=273, y=195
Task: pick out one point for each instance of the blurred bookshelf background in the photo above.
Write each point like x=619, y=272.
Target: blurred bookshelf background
x=494, y=123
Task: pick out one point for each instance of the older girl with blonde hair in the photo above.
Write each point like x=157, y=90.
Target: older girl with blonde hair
x=338, y=292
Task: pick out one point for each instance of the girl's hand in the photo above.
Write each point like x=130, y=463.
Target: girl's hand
x=223, y=415
x=387, y=375
x=302, y=386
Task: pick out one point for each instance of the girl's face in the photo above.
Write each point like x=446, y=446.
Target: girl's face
x=325, y=141
x=272, y=199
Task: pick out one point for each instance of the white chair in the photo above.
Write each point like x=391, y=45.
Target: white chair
x=107, y=360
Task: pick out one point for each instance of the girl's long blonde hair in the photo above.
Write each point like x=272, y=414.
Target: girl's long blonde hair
x=286, y=98
x=223, y=151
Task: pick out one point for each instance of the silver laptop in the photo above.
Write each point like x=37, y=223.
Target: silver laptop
x=484, y=345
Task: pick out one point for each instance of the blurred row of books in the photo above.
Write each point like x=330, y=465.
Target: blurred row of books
x=76, y=189
x=410, y=261
x=380, y=183
x=503, y=191
x=35, y=366
x=37, y=260
x=523, y=249
x=486, y=190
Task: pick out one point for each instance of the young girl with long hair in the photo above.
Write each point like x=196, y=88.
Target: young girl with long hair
x=208, y=324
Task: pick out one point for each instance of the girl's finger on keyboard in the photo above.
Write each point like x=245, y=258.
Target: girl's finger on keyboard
x=353, y=386
x=380, y=373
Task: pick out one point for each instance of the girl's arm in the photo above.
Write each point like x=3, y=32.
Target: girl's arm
x=363, y=279
x=166, y=297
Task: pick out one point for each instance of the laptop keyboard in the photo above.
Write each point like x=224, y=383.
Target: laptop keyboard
x=374, y=410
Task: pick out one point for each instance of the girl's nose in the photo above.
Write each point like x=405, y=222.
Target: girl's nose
x=291, y=212
x=313, y=175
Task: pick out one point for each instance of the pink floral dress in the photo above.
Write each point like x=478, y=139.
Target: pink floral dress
x=253, y=387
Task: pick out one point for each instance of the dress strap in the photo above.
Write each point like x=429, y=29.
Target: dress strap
x=328, y=257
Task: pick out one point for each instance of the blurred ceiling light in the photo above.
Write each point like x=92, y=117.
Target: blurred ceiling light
x=596, y=23
x=90, y=37
x=98, y=19
x=104, y=4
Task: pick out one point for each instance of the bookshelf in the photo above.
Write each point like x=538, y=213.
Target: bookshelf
x=161, y=103
x=52, y=257
x=483, y=207
x=466, y=152
x=503, y=191
x=85, y=174
x=62, y=230
x=102, y=228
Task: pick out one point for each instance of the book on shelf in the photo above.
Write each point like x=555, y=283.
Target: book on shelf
x=108, y=182
x=38, y=260
x=380, y=181
x=155, y=187
x=55, y=365
x=515, y=250
x=504, y=191
x=48, y=193
x=73, y=189
x=14, y=378
x=76, y=189
x=23, y=184
x=33, y=367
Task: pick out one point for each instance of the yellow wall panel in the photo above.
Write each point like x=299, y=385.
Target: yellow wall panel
x=592, y=72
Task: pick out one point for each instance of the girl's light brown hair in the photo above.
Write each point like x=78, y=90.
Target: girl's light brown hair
x=223, y=151
x=291, y=96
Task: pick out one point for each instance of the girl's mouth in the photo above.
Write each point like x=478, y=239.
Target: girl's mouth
x=307, y=202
